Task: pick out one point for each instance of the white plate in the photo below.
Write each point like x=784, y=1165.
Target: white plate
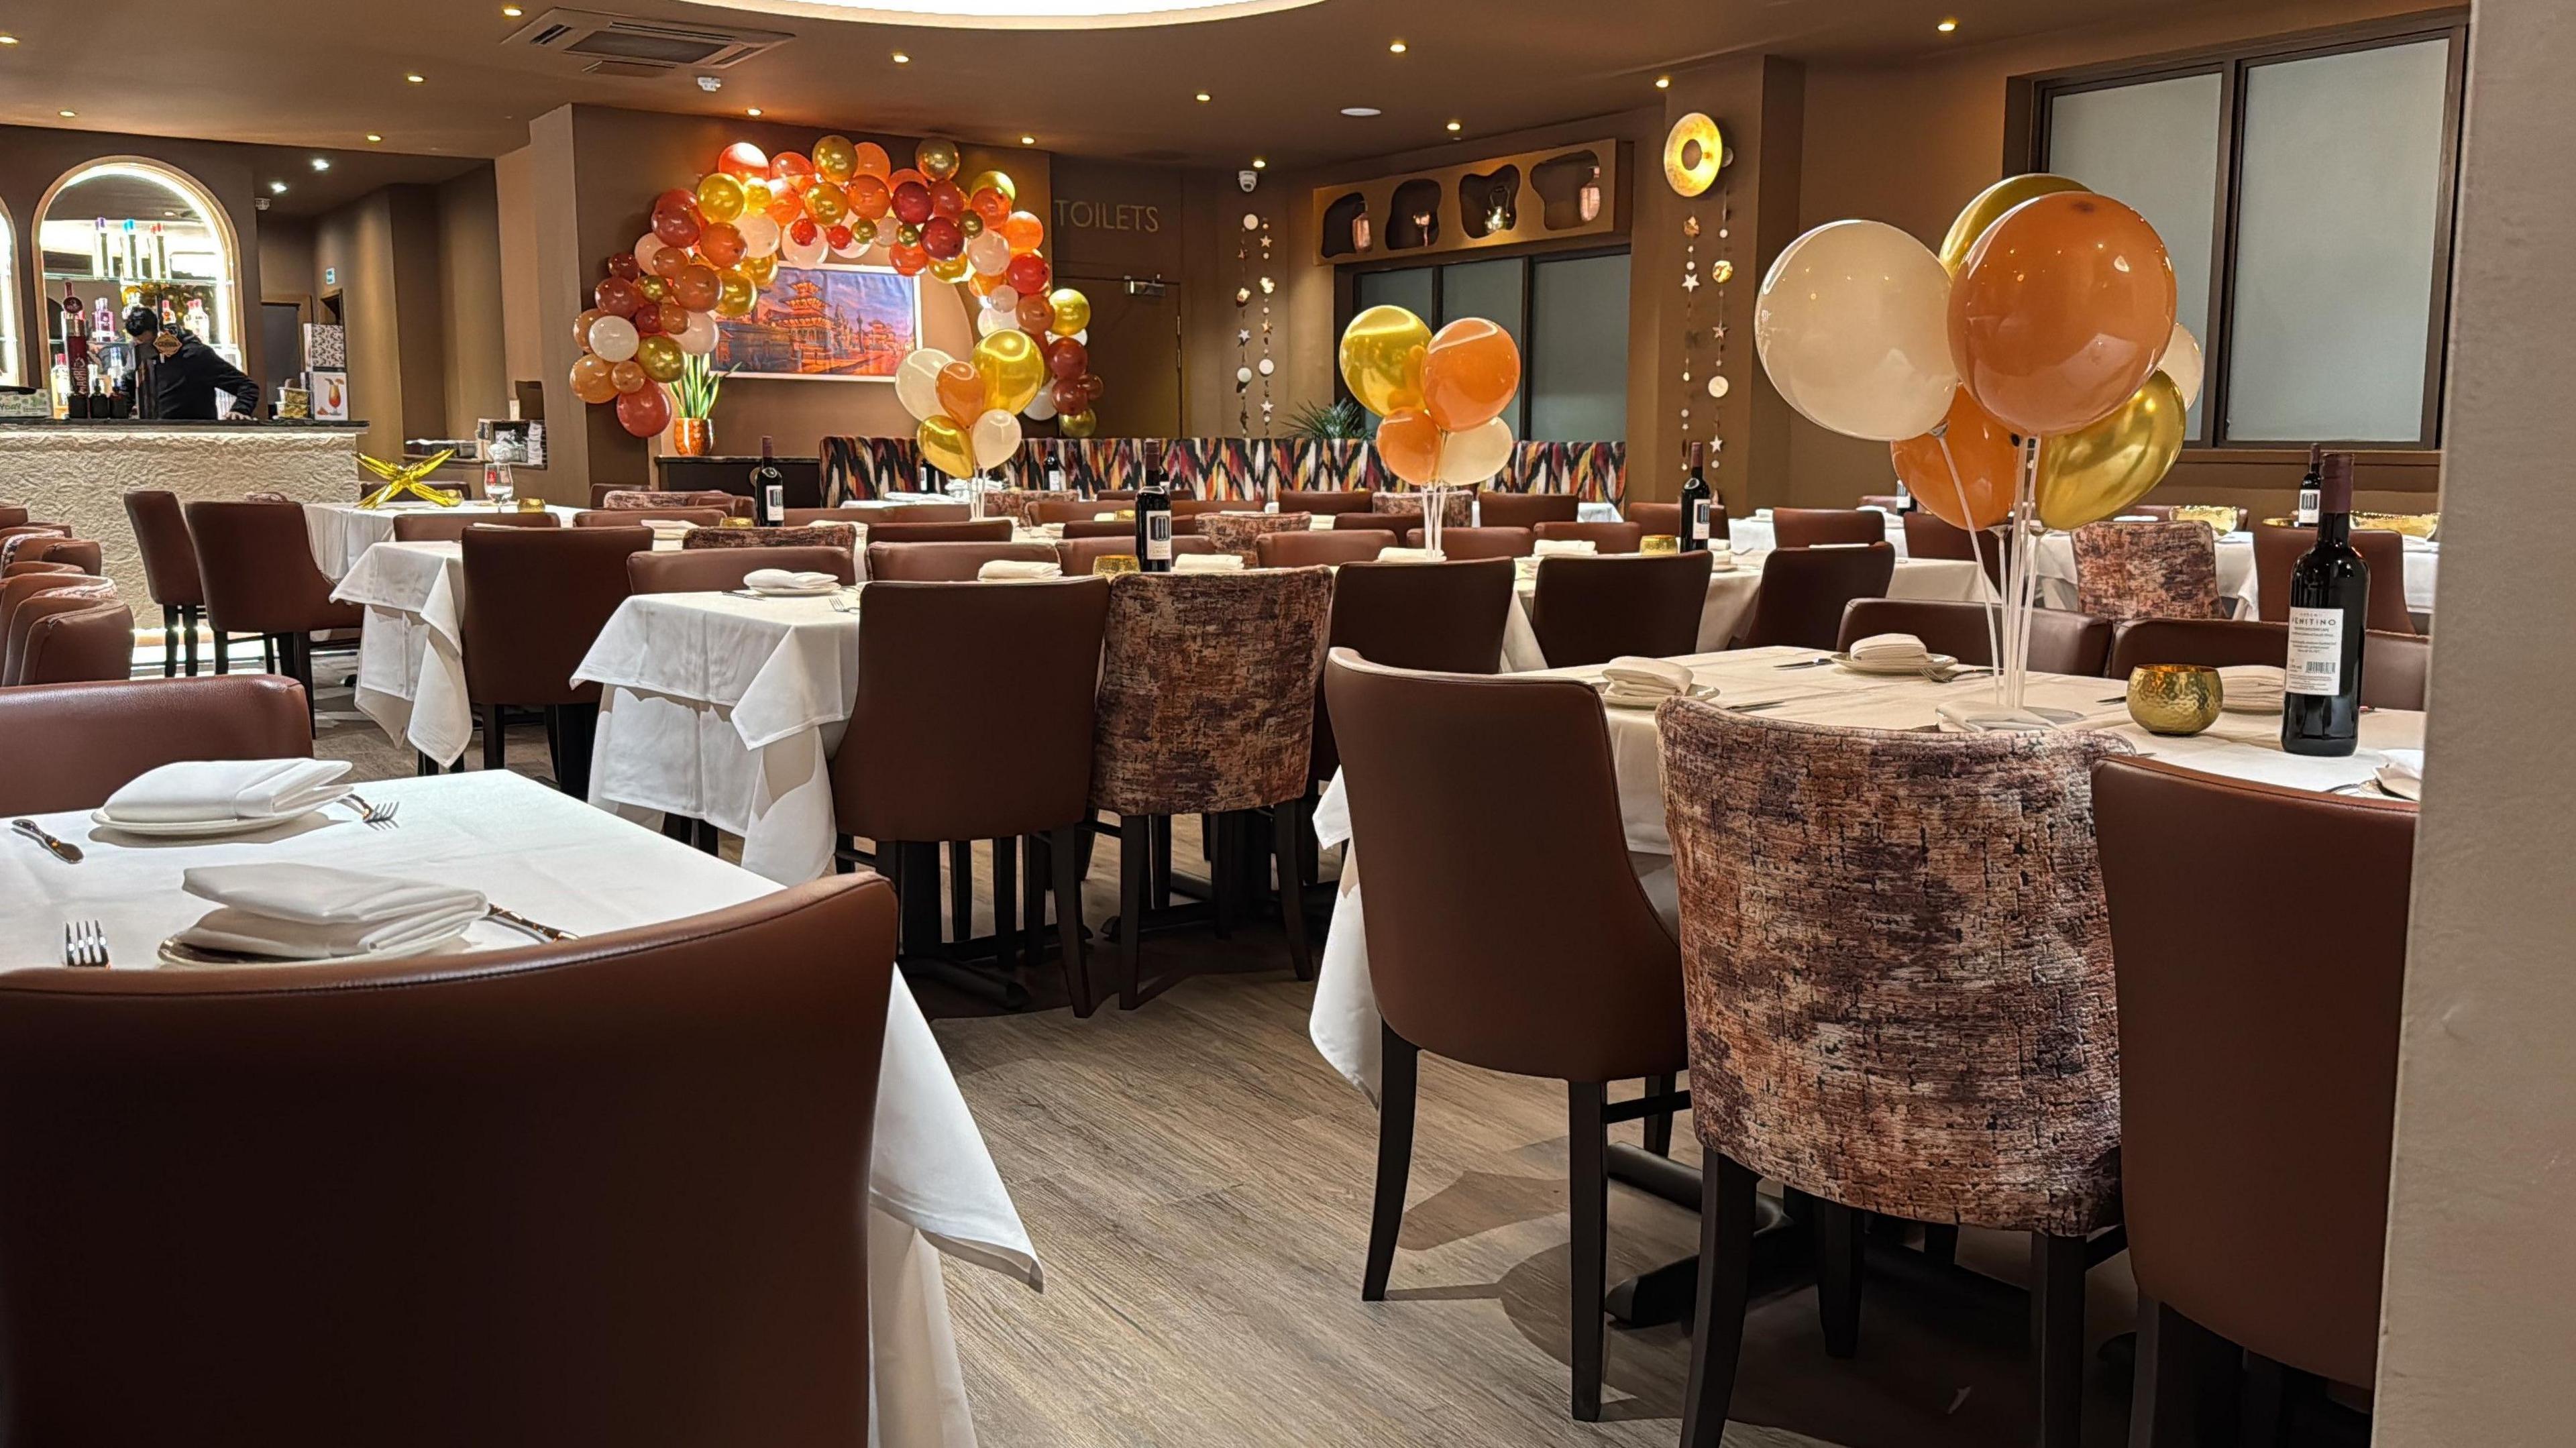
x=1897, y=669
x=207, y=829
x=2232, y=706
x=2400, y=785
x=173, y=953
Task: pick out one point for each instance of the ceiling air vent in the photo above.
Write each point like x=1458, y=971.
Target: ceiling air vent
x=626, y=45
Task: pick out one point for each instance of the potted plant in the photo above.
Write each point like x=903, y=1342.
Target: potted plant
x=1334, y=438
x=693, y=405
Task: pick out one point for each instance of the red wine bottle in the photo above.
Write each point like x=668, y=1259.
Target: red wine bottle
x=1153, y=518
x=2308, y=485
x=769, y=486
x=1698, y=504
x=2329, y=600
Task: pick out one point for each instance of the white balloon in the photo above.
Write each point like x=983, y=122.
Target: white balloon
x=989, y=253
x=995, y=436
x=1083, y=336
x=647, y=247
x=852, y=252
x=807, y=254
x=1004, y=299
x=1041, y=407
x=699, y=337
x=987, y=323
x=760, y=235
x=916, y=383
x=1476, y=454
x=2182, y=363
x=1853, y=325
x=613, y=338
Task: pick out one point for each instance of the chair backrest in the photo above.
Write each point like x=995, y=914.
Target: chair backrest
x=169, y=559
x=638, y=517
x=679, y=1117
x=1306, y=550
x=2060, y=642
x=923, y=513
x=819, y=535
x=1104, y=528
x=1527, y=510
x=1665, y=519
x=628, y=499
x=1478, y=895
x=68, y=637
x=82, y=554
x=1485, y=542
x=1033, y=672
x=2396, y=669
x=947, y=562
x=1207, y=689
x=1078, y=555
x=1241, y=533
x=1396, y=523
x=1408, y=503
x=1877, y=1015
x=2393, y=666
x=1604, y=537
x=1807, y=527
x=711, y=570
x=2147, y=570
x=1592, y=610
x=256, y=560
x=1805, y=590
x=70, y=746
x=17, y=588
x=2258, y=1051
x=12, y=515
x=1068, y=510
x=2278, y=549
x=534, y=604
x=1927, y=536
x=450, y=527
x=1443, y=617
x=14, y=538
x=1325, y=500
x=986, y=530
x=1194, y=507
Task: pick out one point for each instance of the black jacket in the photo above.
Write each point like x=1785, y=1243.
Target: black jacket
x=184, y=383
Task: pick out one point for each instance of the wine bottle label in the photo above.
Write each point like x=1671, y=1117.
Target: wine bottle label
x=2316, y=651
x=1158, y=537
x=2308, y=502
x=777, y=501
x=1699, y=519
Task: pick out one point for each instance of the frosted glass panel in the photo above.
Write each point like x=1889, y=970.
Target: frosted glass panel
x=1577, y=374
x=1409, y=288
x=2342, y=178
x=1491, y=290
x=2153, y=146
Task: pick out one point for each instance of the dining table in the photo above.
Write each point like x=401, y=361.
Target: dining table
x=933, y=1191
x=1733, y=583
x=411, y=645
x=341, y=533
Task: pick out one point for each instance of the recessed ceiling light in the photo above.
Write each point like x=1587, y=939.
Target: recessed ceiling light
x=416, y=78
x=755, y=110
x=372, y=136
x=8, y=40
x=1946, y=26
x=321, y=163
x=1663, y=82
x=67, y=115
x=902, y=59
x=1396, y=47
x=277, y=187
x=1259, y=164
x=1203, y=97
x=513, y=11
x=1019, y=14
x=1361, y=111
x=1028, y=140
x=1453, y=126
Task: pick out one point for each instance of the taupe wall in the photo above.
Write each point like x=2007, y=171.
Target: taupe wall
x=419, y=288
x=471, y=299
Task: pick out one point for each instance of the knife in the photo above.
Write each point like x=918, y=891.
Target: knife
x=61, y=851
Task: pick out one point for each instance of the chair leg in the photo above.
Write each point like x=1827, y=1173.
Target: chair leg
x=496, y=751
x=1064, y=861
x=190, y=615
x=1659, y=1126
x=1006, y=902
x=1221, y=841
x=296, y=650
x=1587, y=1186
x=571, y=730
x=705, y=838
x=1288, y=832
x=1135, y=873
x=2263, y=1403
x=1838, y=1276
x=268, y=653
x=1941, y=1242
x=169, y=642
x=2188, y=1381
x=2057, y=1336
x=961, y=891
x=223, y=651
x=1033, y=880
x=1399, y=1072
x=1725, y=1276
x=1160, y=831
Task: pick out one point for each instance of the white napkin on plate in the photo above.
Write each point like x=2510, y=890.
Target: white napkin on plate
x=2253, y=688
x=787, y=581
x=2403, y=774
x=1208, y=563
x=318, y=912
x=1891, y=649
x=1401, y=554
x=206, y=790
x=1010, y=568
x=1634, y=681
x=1564, y=548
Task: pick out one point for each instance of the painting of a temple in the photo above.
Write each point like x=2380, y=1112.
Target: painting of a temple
x=839, y=322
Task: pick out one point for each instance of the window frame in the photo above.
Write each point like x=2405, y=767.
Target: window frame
x=2026, y=149
x=1346, y=277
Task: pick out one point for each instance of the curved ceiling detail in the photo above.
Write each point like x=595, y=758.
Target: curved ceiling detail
x=1014, y=14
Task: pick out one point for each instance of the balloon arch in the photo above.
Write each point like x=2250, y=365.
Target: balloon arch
x=713, y=247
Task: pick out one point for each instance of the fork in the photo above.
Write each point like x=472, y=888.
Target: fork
x=84, y=944
x=375, y=816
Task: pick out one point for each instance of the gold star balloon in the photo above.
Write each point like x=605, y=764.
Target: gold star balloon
x=406, y=482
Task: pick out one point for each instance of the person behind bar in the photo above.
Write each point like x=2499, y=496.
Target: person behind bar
x=176, y=377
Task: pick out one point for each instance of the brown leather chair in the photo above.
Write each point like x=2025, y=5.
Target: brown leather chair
x=45, y=568
x=70, y=746
x=1927, y=536
x=986, y=530
x=2158, y=512
x=1440, y=617
x=638, y=517
x=1069, y=510
x=915, y=684
x=2060, y=642
x=1478, y=896
x=679, y=1116
x=1458, y=544
x=1195, y=507
x=1884, y=502
x=1592, y=610
x=169, y=571
x=1807, y=527
x=535, y=601
x=12, y=514
x=926, y=513
x=256, y=560
x=637, y=499
x=946, y=562
x=20, y=535
x=713, y=570
x=18, y=588
x=2393, y=666
x=1525, y=510
x=1325, y=500
x=83, y=555
x=69, y=636
x=1665, y=519
x=449, y=527
x=2258, y=1076
x=1805, y=590
x=1078, y=555
x=1310, y=549
x=2278, y=549
x=1604, y=537
x=1106, y=528
x=1397, y=523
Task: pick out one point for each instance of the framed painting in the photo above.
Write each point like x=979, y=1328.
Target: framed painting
x=827, y=323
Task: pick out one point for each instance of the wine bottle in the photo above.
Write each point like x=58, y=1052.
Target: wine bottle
x=1055, y=475
x=769, y=486
x=2308, y=485
x=1153, y=519
x=75, y=354
x=1697, y=504
x=2329, y=600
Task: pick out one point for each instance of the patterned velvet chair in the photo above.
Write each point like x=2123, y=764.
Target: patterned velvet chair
x=1882, y=1020
x=2147, y=570
x=1458, y=511
x=820, y=535
x=1239, y=533
x=1207, y=707
x=1017, y=504
x=621, y=499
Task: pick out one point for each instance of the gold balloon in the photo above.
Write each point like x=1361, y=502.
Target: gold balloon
x=654, y=288
x=1693, y=151
x=937, y=158
x=1382, y=353
x=826, y=203
x=1077, y=424
x=996, y=181
x=720, y=197
x=660, y=357
x=756, y=197
x=945, y=446
x=1072, y=311
x=2093, y=473
x=836, y=158
x=950, y=269
x=1990, y=205
x=969, y=225
x=738, y=294
x=1012, y=367
x=763, y=270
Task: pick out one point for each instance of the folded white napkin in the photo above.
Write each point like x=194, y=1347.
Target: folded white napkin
x=783, y=580
x=1890, y=648
x=1108, y=517
x=1630, y=679
x=1564, y=548
x=2403, y=774
x=206, y=790
x=1007, y=568
x=2252, y=687
x=317, y=912
x=1208, y=563
x=1411, y=555
x=670, y=527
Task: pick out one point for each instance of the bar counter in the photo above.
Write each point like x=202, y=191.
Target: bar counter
x=78, y=473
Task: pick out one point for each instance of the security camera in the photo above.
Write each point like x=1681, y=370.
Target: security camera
x=711, y=83
x=1247, y=179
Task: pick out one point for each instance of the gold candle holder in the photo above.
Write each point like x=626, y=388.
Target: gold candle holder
x=1659, y=543
x=732, y=520
x=1108, y=564
x=2175, y=699
x=530, y=505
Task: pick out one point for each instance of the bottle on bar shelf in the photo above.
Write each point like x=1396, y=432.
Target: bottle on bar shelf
x=1697, y=503
x=2329, y=600
x=1153, y=517
x=75, y=355
x=2308, y=485
x=769, y=486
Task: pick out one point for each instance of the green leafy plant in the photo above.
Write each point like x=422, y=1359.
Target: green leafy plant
x=1329, y=422
x=699, y=385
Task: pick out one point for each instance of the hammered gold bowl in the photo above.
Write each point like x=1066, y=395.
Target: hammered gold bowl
x=1659, y=543
x=2220, y=517
x=2413, y=525
x=2175, y=699
x=1114, y=563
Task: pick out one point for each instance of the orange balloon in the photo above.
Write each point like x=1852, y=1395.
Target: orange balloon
x=2059, y=314
x=907, y=174
x=1023, y=231
x=629, y=376
x=1988, y=466
x=869, y=196
x=722, y=245
x=697, y=287
x=872, y=161
x=1470, y=374
x=742, y=160
x=1408, y=441
x=961, y=393
x=785, y=207
x=991, y=205
x=593, y=378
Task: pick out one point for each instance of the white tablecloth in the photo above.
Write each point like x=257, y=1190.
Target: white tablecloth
x=343, y=532
x=1754, y=535
x=411, y=653
x=2236, y=577
x=933, y=1189
x=727, y=709
x=1730, y=598
x=1344, y=1023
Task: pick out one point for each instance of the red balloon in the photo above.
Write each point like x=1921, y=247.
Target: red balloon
x=941, y=238
x=912, y=202
x=1066, y=357
x=1070, y=396
x=677, y=227
x=946, y=200
x=669, y=260
x=803, y=231
x=1033, y=314
x=617, y=296
x=909, y=260
x=646, y=412
x=744, y=161
x=895, y=181
x=648, y=319
x=790, y=172
x=673, y=317
x=697, y=287
x=869, y=196
x=722, y=245
x=839, y=237
x=1093, y=387
x=991, y=205
x=625, y=267
x=1028, y=276
x=678, y=198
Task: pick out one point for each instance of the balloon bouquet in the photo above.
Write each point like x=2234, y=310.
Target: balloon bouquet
x=2030, y=376
x=1439, y=399
x=713, y=247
